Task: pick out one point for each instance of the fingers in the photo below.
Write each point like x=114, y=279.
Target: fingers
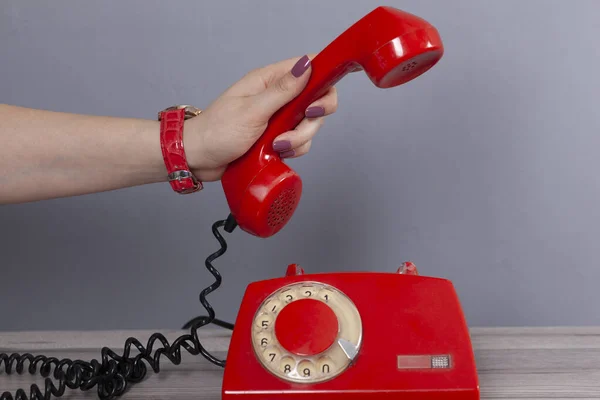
x=273, y=72
x=259, y=79
x=326, y=105
x=283, y=89
x=297, y=152
x=297, y=142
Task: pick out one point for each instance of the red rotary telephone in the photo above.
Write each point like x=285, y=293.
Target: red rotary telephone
x=343, y=336
x=351, y=336
x=391, y=46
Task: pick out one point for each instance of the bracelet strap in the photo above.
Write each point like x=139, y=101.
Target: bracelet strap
x=171, y=142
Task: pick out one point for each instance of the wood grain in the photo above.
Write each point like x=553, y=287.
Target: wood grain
x=513, y=363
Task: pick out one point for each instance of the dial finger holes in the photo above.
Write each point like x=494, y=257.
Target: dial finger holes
x=264, y=339
x=264, y=321
x=287, y=296
x=287, y=365
x=306, y=369
x=326, y=295
x=325, y=366
x=273, y=306
x=272, y=355
x=307, y=332
x=308, y=291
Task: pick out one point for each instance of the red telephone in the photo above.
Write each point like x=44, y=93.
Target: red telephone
x=351, y=336
x=391, y=46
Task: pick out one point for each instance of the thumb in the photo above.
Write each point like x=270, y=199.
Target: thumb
x=283, y=89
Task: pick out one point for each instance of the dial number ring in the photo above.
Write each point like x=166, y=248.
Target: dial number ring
x=307, y=369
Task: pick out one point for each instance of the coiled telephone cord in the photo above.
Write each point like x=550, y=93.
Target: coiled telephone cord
x=115, y=372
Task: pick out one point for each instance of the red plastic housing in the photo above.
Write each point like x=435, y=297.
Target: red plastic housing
x=391, y=46
x=306, y=327
x=404, y=318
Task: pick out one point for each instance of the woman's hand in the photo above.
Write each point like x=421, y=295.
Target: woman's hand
x=236, y=120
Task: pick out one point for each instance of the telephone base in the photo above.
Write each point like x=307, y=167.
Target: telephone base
x=351, y=336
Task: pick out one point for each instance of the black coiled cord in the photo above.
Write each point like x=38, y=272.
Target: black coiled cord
x=115, y=372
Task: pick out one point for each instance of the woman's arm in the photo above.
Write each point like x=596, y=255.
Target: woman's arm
x=45, y=154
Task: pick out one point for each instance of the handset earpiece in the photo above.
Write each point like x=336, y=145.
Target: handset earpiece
x=391, y=46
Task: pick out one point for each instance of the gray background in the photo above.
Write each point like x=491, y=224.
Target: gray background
x=483, y=171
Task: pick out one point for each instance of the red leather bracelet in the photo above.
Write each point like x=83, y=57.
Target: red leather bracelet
x=181, y=178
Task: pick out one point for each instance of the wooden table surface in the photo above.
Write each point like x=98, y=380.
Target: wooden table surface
x=513, y=363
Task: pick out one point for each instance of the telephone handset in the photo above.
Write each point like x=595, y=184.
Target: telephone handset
x=351, y=336
x=391, y=46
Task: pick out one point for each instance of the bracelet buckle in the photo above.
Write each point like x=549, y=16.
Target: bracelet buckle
x=190, y=111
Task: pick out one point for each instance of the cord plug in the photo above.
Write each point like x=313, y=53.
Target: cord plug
x=230, y=224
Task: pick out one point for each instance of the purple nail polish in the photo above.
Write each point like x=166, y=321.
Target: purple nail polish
x=286, y=154
x=314, y=112
x=301, y=66
x=282, y=145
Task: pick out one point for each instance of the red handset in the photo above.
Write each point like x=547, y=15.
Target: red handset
x=391, y=46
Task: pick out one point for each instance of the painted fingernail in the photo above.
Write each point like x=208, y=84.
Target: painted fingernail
x=286, y=154
x=314, y=112
x=301, y=66
x=282, y=145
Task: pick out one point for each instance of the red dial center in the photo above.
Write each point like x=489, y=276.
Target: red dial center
x=306, y=327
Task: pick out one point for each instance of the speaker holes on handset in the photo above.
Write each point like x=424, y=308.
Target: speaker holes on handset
x=281, y=208
x=410, y=66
